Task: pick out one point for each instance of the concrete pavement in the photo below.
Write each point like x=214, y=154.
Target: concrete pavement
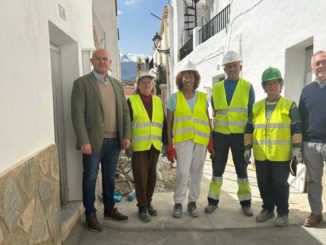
x=228, y=216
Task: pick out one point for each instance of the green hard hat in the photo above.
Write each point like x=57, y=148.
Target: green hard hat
x=270, y=74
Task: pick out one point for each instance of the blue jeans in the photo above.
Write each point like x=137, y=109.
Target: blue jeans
x=272, y=178
x=108, y=156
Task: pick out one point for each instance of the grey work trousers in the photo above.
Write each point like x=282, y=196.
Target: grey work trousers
x=190, y=163
x=314, y=156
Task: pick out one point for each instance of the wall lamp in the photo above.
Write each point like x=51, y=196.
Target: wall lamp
x=157, y=44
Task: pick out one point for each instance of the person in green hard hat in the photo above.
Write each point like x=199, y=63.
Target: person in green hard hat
x=274, y=133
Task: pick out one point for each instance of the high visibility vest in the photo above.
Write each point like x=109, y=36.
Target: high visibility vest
x=145, y=132
x=272, y=138
x=231, y=118
x=189, y=125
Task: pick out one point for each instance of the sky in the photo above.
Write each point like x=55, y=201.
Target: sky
x=137, y=26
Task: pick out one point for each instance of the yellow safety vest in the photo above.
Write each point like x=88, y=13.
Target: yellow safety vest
x=231, y=118
x=146, y=133
x=189, y=125
x=272, y=139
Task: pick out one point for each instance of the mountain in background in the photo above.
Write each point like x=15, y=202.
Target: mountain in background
x=129, y=65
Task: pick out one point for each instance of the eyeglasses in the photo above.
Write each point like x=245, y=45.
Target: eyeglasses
x=320, y=62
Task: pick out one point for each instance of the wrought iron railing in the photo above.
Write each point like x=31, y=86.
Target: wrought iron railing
x=186, y=49
x=215, y=25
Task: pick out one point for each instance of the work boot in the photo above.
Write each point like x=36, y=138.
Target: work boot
x=115, y=214
x=313, y=220
x=177, y=210
x=92, y=223
x=265, y=215
x=210, y=208
x=282, y=220
x=192, y=209
x=143, y=214
x=247, y=211
x=151, y=210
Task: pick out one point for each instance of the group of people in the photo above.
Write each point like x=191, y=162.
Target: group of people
x=274, y=129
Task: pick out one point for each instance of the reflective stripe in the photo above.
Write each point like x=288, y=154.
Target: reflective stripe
x=232, y=109
x=272, y=142
x=244, y=197
x=226, y=124
x=272, y=125
x=147, y=137
x=146, y=124
x=200, y=121
x=190, y=130
x=181, y=119
x=183, y=130
x=201, y=133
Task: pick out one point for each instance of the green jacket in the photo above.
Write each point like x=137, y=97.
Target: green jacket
x=87, y=112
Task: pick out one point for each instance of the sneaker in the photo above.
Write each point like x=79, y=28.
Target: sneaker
x=313, y=220
x=144, y=215
x=92, y=223
x=151, y=210
x=210, y=208
x=247, y=211
x=282, y=220
x=177, y=210
x=114, y=214
x=192, y=209
x=265, y=215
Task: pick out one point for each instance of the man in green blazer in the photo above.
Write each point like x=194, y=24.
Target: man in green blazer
x=101, y=121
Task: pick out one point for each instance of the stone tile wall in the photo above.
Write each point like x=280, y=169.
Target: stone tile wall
x=30, y=201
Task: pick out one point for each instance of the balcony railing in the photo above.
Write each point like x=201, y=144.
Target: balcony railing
x=186, y=49
x=215, y=25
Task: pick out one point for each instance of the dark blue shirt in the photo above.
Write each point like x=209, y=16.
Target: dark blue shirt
x=312, y=108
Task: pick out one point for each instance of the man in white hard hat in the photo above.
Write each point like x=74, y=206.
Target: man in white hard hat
x=232, y=101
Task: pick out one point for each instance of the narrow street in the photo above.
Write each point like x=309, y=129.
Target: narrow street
x=226, y=226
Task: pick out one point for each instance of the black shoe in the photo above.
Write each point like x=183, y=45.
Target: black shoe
x=151, y=210
x=144, y=215
x=115, y=214
x=92, y=223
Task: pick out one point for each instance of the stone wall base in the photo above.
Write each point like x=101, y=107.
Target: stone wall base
x=30, y=201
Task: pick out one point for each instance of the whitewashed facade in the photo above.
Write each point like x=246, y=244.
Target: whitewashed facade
x=45, y=46
x=283, y=34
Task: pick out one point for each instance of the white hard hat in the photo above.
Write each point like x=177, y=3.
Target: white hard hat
x=187, y=66
x=231, y=56
x=144, y=74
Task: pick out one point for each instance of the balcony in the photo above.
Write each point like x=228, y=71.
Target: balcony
x=186, y=49
x=215, y=25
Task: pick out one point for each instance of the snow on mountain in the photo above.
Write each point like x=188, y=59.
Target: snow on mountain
x=129, y=65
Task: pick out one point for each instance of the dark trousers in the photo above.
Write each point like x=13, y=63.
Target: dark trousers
x=222, y=145
x=144, y=172
x=108, y=157
x=273, y=185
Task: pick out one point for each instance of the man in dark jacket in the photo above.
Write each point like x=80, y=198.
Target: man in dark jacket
x=101, y=121
x=313, y=116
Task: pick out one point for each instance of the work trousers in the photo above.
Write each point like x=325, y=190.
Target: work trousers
x=272, y=178
x=190, y=162
x=222, y=145
x=144, y=172
x=314, y=157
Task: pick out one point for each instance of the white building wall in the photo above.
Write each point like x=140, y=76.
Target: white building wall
x=27, y=120
x=26, y=93
x=262, y=31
